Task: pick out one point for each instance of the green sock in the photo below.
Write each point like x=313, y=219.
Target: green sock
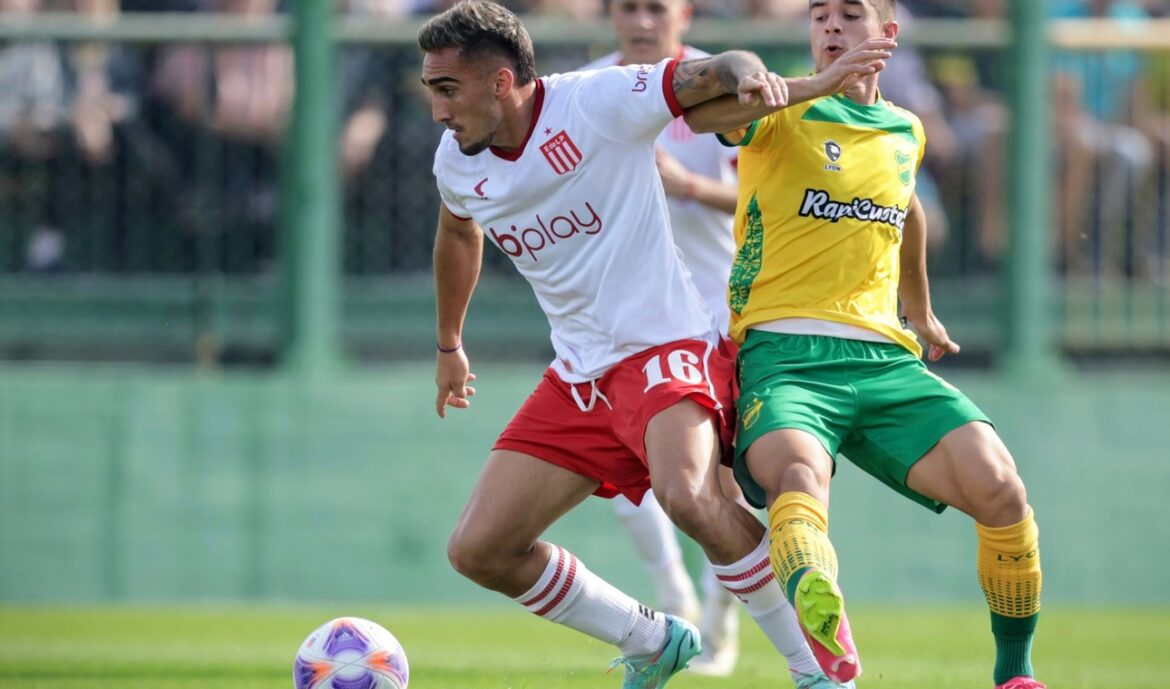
x=790, y=589
x=1013, y=646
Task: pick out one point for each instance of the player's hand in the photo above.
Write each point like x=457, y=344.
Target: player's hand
x=452, y=375
x=763, y=88
x=940, y=344
x=865, y=59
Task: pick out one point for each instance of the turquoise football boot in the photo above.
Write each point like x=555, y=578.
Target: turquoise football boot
x=682, y=644
x=820, y=681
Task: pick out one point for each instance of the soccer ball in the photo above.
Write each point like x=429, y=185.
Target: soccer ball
x=351, y=653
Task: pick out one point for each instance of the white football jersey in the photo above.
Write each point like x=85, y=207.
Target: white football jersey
x=580, y=209
x=705, y=235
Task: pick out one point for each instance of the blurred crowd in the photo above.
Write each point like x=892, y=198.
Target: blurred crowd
x=165, y=158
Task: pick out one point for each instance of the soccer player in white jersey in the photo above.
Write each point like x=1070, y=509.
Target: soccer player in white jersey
x=559, y=172
x=698, y=176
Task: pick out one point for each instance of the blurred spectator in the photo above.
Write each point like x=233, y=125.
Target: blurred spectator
x=33, y=113
x=160, y=5
x=906, y=83
x=366, y=109
x=786, y=61
x=364, y=97
x=1106, y=168
x=576, y=10
x=972, y=185
x=63, y=112
x=382, y=10
x=776, y=9
x=1154, y=114
x=228, y=107
x=109, y=150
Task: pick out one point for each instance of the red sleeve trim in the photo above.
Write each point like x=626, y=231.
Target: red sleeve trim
x=668, y=89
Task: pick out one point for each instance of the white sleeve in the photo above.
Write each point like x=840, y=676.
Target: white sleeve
x=445, y=192
x=630, y=103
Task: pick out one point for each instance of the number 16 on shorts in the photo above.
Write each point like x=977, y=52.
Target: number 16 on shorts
x=681, y=365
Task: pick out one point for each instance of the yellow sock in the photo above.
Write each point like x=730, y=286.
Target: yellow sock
x=1009, y=572
x=799, y=529
x=1009, y=567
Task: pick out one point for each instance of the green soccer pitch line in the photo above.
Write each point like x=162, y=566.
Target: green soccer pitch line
x=502, y=648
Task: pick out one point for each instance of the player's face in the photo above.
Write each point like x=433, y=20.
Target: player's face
x=836, y=26
x=462, y=99
x=650, y=30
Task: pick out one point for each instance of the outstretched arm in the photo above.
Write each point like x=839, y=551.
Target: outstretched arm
x=704, y=79
x=726, y=113
x=458, y=256
x=914, y=288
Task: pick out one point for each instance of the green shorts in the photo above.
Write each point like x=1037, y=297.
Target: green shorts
x=876, y=404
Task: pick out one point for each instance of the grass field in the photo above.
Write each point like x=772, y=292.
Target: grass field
x=252, y=648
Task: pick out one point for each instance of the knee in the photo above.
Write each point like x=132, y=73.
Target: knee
x=689, y=508
x=1004, y=500
x=799, y=477
x=804, y=477
x=476, y=560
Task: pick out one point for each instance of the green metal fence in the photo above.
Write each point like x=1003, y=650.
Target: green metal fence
x=174, y=248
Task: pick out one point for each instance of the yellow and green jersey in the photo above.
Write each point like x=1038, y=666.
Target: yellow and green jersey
x=824, y=189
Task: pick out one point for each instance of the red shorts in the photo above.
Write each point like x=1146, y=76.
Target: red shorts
x=599, y=432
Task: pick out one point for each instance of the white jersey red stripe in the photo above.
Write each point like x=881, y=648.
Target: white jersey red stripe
x=704, y=234
x=580, y=209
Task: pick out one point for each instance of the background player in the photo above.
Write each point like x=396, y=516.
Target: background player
x=560, y=173
x=698, y=176
x=830, y=235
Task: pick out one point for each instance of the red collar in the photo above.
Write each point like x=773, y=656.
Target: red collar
x=514, y=154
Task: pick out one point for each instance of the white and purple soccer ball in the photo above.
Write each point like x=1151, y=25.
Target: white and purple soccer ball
x=351, y=653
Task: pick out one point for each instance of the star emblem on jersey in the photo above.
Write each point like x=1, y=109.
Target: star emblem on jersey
x=548, y=131
x=561, y=153
x=479, y=189
x=833, y=151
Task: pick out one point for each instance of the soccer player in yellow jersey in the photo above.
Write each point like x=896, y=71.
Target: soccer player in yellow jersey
x=830, y=236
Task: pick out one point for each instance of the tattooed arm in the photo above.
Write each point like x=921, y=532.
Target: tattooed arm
x=725, y=113
x=730, y=73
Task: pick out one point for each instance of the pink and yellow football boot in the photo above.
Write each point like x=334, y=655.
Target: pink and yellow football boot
x=820, y=607
x=1021, y=683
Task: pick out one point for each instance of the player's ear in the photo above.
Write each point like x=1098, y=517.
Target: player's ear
x=890, y=29
x=503, y=82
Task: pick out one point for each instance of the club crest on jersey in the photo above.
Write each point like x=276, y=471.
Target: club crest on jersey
x=905, y=173
x=833, y=150
x=561, y=153
x=833, y=153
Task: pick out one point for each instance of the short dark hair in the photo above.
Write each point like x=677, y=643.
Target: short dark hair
x=479, y=28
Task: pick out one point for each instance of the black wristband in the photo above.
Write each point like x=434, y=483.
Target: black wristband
x=456, y=348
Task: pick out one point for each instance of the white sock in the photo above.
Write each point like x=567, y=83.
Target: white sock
x=752, y=581
x=655, y=542
x=567, y=593
x=714, y=592
x=719, y=623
